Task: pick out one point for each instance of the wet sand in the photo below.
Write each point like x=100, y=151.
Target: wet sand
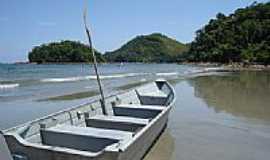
x=74, y=96
x=163, y=148
x=207, y=125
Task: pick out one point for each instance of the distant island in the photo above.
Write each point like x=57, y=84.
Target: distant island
x=241, y=37
x=62, y=52
x=146, y=48
x=149, y=48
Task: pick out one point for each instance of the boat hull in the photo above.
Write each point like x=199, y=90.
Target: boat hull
x=22, y=141
x=135, y=151
x=143, y=143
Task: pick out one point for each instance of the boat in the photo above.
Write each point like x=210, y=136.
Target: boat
x=132, y=124
x=122, y=126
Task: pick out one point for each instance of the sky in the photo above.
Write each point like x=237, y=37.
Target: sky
x=25, y=24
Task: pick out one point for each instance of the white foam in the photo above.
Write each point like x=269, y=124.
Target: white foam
x=81, y=78
x=193, y=71
x=212, y=69
x=143, y=80
x=9, y=86
x=69, y=79
x=122, y=75
x=167, y=74
x=203, y=70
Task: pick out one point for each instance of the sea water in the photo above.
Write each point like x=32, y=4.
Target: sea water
x=29, y=91
x=216, y=116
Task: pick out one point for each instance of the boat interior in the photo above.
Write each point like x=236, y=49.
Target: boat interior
x=84, y=128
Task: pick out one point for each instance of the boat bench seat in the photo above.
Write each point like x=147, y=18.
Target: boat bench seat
x=152, y=98
x=156, y=93
x=137, y=110
x=83, y=138
x=139, y=106
x=117, y=122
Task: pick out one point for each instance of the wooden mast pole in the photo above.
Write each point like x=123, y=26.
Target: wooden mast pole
x=87, y=30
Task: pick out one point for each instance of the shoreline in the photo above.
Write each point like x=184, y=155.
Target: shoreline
x=233, y=67
x=227, y=67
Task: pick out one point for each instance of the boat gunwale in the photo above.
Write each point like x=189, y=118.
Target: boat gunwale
x=25, y=143
x=94, y=100
x=144, y=129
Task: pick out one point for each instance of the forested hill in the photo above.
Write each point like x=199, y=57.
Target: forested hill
x=62, y=52
x=150, y=48
x=241, y=36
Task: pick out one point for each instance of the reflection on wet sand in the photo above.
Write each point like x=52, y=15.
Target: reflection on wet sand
x=163, y=148
x=244, y=94
x=195, y=130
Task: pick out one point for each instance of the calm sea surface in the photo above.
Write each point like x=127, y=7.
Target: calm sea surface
x=216, y=116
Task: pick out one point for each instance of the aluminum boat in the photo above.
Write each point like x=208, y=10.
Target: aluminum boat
x=134, y=122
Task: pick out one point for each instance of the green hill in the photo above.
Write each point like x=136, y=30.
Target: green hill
x=150, y=48
x=62, y=52
x=241, y=36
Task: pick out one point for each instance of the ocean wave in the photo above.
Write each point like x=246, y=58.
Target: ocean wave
x=167, y=74
x=143, y=80
x=92, y=77
x=210, y=69
x=69, y=79
x=204, y=70
x=9, y=86
x=119, y=75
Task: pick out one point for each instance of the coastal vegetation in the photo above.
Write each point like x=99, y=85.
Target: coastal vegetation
x=63, y=52
x=243, y=36
x=149, y=48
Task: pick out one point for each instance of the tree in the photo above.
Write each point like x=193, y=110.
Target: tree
x=64, y=51
x=243, y=35
x=150, y=48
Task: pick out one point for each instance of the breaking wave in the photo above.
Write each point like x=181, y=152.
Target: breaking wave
x=114, y=76
x=167, y=74
x=81, y=78
x=9, y=86
x=69, y=79
x=204, y=70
